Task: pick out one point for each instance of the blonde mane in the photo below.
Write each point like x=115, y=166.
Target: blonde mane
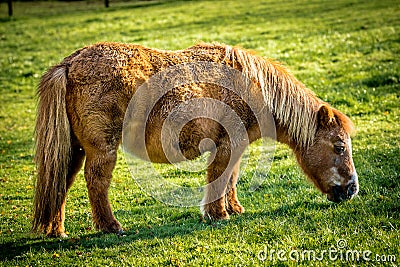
x=291, y=103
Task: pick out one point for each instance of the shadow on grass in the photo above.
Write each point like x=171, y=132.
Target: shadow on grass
x=140, y=4
x=34, y=243
x=186, y=224
x=368, y=204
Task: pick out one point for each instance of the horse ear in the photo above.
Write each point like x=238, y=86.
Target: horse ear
x=325, y=116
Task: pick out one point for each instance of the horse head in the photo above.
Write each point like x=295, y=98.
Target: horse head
x=328, y=160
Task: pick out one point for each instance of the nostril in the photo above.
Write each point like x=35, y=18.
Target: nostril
x=337, y=194
x=351, y=189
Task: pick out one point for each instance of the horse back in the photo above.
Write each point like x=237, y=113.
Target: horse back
x=103, y=78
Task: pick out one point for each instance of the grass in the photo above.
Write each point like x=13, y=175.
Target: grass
x=346, y=51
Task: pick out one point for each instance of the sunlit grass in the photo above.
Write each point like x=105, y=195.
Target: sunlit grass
x=345, y=51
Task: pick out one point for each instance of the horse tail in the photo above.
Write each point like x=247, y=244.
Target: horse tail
x=53, y=148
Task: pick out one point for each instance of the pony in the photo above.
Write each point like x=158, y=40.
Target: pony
x=82, y=103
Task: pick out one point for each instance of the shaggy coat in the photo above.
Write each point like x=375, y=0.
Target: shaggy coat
x=82, y=104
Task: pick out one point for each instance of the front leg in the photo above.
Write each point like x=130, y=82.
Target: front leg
x=213, y=204
x=219, y=174
x=232, y=202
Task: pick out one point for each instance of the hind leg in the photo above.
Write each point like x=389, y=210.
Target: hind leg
x=98, y=171
x=57, y=226
x=232, y=202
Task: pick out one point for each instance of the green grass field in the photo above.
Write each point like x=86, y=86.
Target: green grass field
x=348, y=52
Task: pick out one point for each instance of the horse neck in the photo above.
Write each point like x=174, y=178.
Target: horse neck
x=293, y=106
x=283, y=136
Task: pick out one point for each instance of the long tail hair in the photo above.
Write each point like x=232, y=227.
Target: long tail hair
x=53, y=148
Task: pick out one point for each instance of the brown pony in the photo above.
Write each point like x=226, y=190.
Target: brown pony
x=83, y=101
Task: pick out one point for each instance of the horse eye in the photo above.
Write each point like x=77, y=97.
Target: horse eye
x=339, y=149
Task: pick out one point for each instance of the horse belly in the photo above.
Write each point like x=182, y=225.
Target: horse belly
x=158, y=142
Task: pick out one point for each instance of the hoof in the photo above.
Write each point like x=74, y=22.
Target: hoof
x=57, y=234
x=63, y=235
x=113, y=227
x=121, y=233
x=235, y=208
x=214, y=215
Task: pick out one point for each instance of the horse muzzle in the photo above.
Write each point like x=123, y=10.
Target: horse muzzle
x=340, y=193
